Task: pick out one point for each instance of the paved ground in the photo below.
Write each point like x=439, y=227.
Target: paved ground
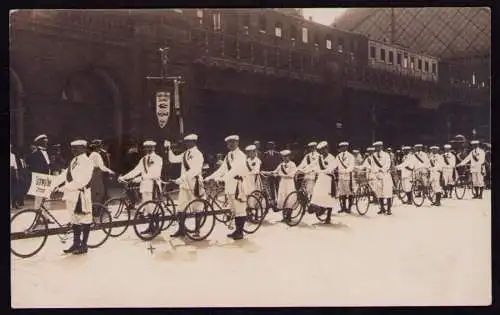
x=418, y=256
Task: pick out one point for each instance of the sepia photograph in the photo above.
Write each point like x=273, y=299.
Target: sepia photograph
x=250, y=157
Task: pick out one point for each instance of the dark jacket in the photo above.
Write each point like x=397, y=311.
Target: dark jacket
x=37, y=163
x=270, y=160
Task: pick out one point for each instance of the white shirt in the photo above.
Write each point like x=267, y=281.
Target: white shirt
x=13, y=162
x=347, y=159
x=476, y=158
x=286, y=169
x=148, y=168
x=253, y=165
x=384, y=159
x=309, y=158
x=191, y=159
x=451, y=158
x=421, y=159
x=435, y=162
x=96, y=158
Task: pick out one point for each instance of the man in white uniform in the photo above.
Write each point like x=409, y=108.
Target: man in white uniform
x=148, y=173
x=345, y=164
x=436, y=168
x=476, y=158
x=190, y=181
x=449, y=173
x=286, y=171
x=253, y=165
x=310, y=158
x=357, y=171
x=381, y=164
x=406, y=168
x=325, y=189
x=233, y=173
x=370, y=176
x=74, y=183
x=421, y=162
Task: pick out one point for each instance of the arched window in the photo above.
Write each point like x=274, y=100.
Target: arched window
x=216, y=21
x=340, y=46
x=328, y=43
x=246, y=24
x=293, y=32
x=304, y=35
x=262, y=24
x=278, y=28
x=199, y=15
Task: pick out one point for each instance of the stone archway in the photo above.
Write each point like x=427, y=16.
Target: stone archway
x=16, y=108
x=91, y=107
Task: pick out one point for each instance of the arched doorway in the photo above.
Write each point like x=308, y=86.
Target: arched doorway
x=92, y=108
x=16, y=109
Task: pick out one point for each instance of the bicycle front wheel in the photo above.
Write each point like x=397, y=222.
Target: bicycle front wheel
x=100, y=227
x=119, y=212
x=28, y=233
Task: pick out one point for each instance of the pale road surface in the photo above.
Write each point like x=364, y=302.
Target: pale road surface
x=418, y=256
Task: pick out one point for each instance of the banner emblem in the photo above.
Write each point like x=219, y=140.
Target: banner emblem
x=162, y=108
x=41, y=185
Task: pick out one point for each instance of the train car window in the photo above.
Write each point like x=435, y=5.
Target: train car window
x=277, y=30
x=391, y=57
x=398, y=58
x=434, y=68
x=216, y=21
x=304, y=35
x=262, y=24
x=372, y=52
x=426, y=66
x=382, y=54
x=328, y=43
x=340, y=47
x=419, y=64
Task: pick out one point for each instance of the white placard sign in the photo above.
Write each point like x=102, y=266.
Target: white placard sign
x=41, y=185
x=162, y=108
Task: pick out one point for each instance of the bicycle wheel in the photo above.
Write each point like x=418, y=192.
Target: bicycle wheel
x=417, y=192
x=460, y=188
x=170, y=210
x=219, y=203
x=206, y=217
x=119, y=213
x=294, y=203
x=401, y=193
x=430, y=194
x=148, y=220
x=27, y=237
x=100, y=227
x=362, y=199
x=255, y=215
x=262, y=200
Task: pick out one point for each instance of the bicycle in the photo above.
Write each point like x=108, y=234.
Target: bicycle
x=463, y=182
x=363, y=192
x=297, y=202
x=38, y=229
x=121, y=207
x=265, y=195
x=397, y=189
x=421, y=187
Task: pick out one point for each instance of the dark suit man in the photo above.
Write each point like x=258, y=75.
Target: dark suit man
x=39, y=162
x=270, y=161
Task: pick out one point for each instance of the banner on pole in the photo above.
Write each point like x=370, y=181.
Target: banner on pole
x=41, y=185
x=162, y=107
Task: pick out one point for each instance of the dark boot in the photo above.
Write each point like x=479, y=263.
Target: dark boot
x=381, y=204
x=437, y=203
x=409, y=198
x=240, y=222
x=328, y=216
x=342, y=204
x=82, y=249
x=181, y=231
x=197, y=224
x=351, y=202
x=231, y=235
x=475, y=192
x=77, y=231
x=480, y=195
x=389, y=206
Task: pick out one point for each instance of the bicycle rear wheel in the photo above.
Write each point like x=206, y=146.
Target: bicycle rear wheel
x=100, y=226
x=362, y=199
x=255, y=215
x=28, y=233
x=206, y=217
x=119, y=212
x=151, y=221
x=294, y=202
x=417, y=192
x=460, y=188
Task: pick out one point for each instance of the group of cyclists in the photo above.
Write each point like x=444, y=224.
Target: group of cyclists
x=319, y=183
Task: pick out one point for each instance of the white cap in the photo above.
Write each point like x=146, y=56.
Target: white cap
x=40, y=137
x=251, y=147
x=321, y=145
x=191, y=136
x=285, y=152
x=149, y=143
x=389, y=149
x=447, y=146
x=370, y=149
x=205, y=166
x=343, y=144
x=377, y=143
x=312, y=144
x=166, y=143
x=418, y=145
x=78, y=143
x=474, y=142
x=405, y=147
x=232, y=137
x=355, y=151
x=434, y=147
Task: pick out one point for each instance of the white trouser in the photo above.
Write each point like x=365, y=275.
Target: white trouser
x=238, y=208
x=435, y=181
x=344, y=185
x=309, y=185
x=77, y=219
x=185, y=197
x=448, y=176
x=147, y=196
x=477, y=179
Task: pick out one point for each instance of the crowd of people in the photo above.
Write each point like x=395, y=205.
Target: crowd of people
x=328, y=179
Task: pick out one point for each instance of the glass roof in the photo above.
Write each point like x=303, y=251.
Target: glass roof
x=453, y=32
